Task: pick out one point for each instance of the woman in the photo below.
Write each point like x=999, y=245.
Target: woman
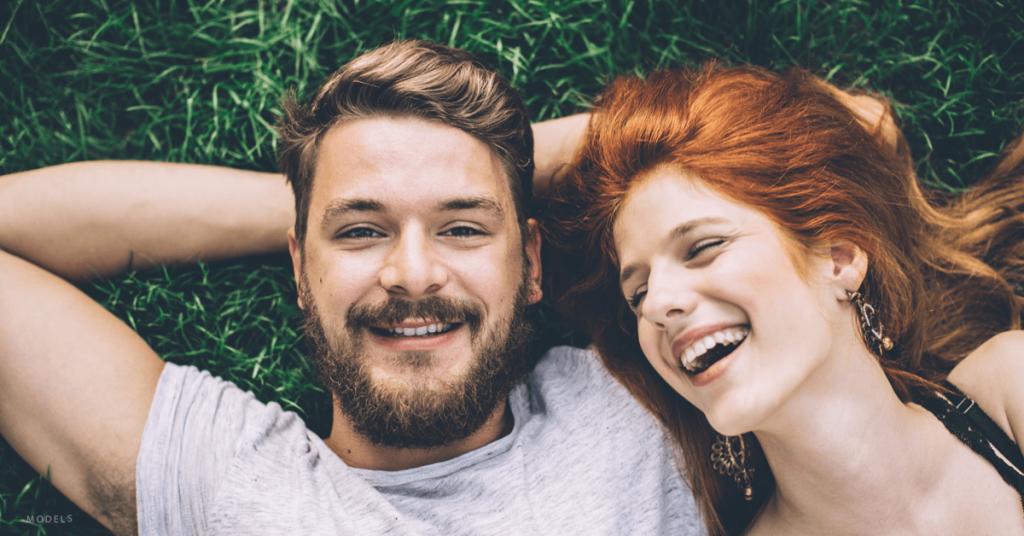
x=771, y=253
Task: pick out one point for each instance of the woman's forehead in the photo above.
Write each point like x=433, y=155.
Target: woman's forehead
x=659, y=197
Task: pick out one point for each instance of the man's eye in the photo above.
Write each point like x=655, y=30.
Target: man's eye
x=360, y=232
x=462, y=231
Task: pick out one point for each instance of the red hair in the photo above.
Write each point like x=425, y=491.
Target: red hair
x=783, y=144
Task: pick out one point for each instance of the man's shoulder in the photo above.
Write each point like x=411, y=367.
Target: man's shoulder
x=221, y=447
x=586, y=436
x=570, y=367
x=195, y=400
x=575, y=378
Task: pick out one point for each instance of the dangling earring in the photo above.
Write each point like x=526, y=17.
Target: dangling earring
x=729, y=456
x=869, y=324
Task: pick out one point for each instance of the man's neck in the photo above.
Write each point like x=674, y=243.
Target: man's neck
x=357, y=451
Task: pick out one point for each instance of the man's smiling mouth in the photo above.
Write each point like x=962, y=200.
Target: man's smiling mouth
x=427, y=330
x=711, y=349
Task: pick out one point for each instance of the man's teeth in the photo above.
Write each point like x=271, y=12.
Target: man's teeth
x=730, y=336
x=420, y=331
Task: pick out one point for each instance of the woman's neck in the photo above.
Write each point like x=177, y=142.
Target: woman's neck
x=847, y=453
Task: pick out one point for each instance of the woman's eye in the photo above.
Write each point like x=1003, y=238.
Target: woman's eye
x=703, y=245
x=360, y=232
x=462, y=231
x=635, y=299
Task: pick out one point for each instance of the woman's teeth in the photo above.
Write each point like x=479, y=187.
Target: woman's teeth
x=697, y=358
x=422, y=331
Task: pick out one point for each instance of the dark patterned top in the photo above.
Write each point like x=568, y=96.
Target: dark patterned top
x=966, y=420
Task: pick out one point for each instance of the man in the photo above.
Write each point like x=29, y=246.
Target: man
x=414, y=260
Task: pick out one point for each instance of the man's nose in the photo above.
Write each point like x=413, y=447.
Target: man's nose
x=412, y=268
x=670, y=297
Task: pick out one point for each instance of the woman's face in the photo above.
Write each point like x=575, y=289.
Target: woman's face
x=723, y=314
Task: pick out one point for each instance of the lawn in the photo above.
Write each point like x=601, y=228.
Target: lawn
x=200, y=81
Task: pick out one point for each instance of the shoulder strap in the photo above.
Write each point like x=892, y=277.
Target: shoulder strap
x=964, y=429
x=992, y=432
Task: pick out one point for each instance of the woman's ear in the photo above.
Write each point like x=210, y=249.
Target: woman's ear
x=848, y=266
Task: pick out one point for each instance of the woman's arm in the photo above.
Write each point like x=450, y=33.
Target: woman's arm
x=993, y=375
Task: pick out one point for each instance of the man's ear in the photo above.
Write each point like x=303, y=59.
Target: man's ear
x=532, y=251
x=295, y=250
x=848, y=265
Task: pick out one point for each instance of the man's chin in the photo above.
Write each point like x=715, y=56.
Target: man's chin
x=419, y=399
x=415, y=392
x=426, y=372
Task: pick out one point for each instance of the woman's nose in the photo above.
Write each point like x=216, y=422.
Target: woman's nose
x=670, y=297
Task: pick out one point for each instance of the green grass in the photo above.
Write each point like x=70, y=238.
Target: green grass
x=199, y=81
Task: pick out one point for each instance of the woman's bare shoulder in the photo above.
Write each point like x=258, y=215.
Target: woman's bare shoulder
x=993, y=375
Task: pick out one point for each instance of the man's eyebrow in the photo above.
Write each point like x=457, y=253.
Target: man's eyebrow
x=677, y=232
x=471, y=203
x=339, y=207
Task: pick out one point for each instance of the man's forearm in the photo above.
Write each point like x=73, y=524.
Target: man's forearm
x=81, y=219
x=555, y=144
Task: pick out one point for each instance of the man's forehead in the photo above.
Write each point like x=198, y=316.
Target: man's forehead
x=387, y=159
x=373, y=141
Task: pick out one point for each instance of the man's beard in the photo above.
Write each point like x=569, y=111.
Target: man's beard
x=418, y=416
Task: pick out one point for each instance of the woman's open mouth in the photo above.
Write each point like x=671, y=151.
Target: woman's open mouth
x=711, y=349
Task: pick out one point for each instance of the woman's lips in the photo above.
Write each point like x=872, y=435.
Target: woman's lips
x=715, y=371
x=712, y=347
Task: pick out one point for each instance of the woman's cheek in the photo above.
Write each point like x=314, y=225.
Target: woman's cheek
x=649, y=343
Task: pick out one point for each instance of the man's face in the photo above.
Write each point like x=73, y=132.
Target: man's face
x=413, y=279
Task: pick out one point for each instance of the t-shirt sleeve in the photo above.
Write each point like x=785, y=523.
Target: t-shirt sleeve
x=195, y=427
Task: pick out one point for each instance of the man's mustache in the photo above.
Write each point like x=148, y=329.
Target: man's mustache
x=432, y=308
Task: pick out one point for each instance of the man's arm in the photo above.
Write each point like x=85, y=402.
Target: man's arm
x=96, y=217
x=557, y=141
x=555, y=144
x=76, y=383
x=78, y=220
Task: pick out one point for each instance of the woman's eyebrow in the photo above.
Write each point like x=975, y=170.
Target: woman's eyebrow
x=685, y=227
x=677, y=232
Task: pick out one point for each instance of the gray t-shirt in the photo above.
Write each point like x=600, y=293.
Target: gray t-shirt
x=583, y=458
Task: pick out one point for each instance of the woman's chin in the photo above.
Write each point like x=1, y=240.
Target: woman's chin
x=730, y=417
x=729, y=426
